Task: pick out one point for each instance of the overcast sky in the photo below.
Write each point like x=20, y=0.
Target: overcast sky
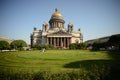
x=95, y=18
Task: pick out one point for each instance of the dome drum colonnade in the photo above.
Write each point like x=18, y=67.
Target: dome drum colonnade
x=56, y=20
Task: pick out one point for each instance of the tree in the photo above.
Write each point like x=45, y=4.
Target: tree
x=97, y=45
x=114, y=41
x=18, y=44
x=4, y=45
x=83, y=46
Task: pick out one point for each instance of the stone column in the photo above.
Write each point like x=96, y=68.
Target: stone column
x=57, y=24
x=62, y=25
x=64, y=42
x=51, y=25
x=57, y=41
x=67, y=42
x=54, y=24
x=50, y=40
x=47, y=41
x=70, y=40
x=61, y=44
x=54, y=42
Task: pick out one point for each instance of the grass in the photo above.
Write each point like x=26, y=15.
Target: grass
x=57, y=61
x=53, y=60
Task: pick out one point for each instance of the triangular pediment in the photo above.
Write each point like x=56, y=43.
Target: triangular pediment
x=60, y=33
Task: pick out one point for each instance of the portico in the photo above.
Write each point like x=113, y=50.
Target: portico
x=59, y=41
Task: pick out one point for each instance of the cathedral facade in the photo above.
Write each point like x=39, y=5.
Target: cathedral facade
x=55, y=33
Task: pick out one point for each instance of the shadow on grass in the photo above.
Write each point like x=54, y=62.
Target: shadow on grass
x=113, y=65
x=88, y=64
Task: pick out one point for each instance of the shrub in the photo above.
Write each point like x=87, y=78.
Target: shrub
x=41, y=46
x=96, y=73
x=77, y=46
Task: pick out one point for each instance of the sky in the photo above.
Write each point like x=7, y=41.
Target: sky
x=95, y=18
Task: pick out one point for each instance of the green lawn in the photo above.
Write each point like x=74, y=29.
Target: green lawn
x=52, y=60
x=62, y=65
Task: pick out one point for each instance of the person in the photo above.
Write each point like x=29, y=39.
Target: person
x=43, y=50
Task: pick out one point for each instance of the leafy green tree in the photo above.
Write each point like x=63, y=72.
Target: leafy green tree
x=114, y=41
x=97, y=45
x=18, y=44
x=4, y=45
x=83, y=45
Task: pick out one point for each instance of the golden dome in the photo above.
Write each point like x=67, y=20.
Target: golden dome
x=57, y=14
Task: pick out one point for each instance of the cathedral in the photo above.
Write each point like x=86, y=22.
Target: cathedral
x=55, y=33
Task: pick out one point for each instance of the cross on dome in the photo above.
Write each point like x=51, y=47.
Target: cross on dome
x=56, y=9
